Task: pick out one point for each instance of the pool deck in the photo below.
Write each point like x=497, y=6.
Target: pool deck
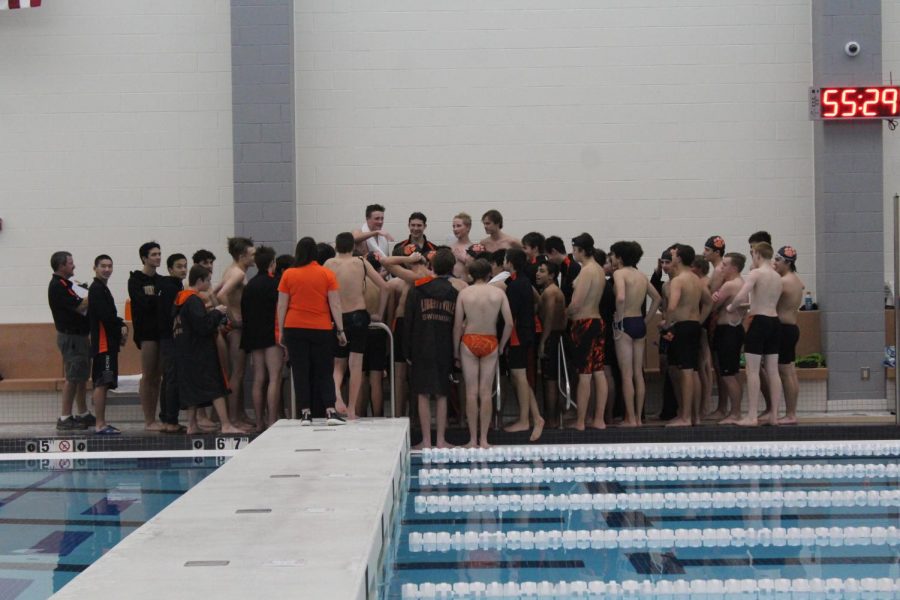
x=301, y=512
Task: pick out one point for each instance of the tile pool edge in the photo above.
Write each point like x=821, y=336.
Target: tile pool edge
x=256, y=527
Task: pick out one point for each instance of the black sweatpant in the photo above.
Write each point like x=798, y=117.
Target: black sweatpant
x=169, y=404
x=311, y=352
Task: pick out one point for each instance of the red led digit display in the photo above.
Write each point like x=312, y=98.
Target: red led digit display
x=859, y=103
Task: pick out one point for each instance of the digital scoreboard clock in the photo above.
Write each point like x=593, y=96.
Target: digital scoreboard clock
x=852, y=103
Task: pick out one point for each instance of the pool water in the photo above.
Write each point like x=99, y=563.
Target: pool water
x=59, y=516
x=742, y=520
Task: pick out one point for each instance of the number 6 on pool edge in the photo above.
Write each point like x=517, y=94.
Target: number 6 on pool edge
x=220, y=443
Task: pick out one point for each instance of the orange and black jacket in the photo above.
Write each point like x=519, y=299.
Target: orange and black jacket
x=425, y=248
x=106, y=326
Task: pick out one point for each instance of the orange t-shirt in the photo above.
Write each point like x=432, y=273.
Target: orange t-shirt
x=307, y=288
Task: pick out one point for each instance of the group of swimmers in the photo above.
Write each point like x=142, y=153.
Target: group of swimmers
x=455, y=311
x=597, y=306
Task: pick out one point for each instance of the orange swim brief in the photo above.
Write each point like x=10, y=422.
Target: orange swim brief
x=480, y=344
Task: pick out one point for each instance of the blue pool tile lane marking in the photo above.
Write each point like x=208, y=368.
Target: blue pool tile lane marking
x=61, y=543
x=11, y=588
x=36, y=566
x=21, y=492
x=72, y=522
x=107, y=507
x=655, y=563
x=650, y=563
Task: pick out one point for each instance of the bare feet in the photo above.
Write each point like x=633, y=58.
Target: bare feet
x=764, y=416
x=472, y=444
x=517, y=426
x=787, y=420
x=598, y=424
x=207, y=424
x=351, y=416
x=340, y=407
x=729, y=420
x=193, y=430
x=212, y=427
x=484, y=444
x=154, y=426
x=627, y=423
x=538, y=430
x=577, y=426
x=678, y=422
x=443, y=444
x=716, y=415
x=422, y=446
x=747, y=422
x=232, y=429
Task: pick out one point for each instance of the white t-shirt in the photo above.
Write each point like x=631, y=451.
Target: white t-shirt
x=377, y=244
x=501, y=276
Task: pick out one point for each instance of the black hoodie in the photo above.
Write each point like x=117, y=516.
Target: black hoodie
x=144, y=306
x=167, y=290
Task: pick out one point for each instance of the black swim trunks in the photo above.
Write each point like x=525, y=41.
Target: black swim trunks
x=356, y=328
x=517, y=356
x=375, y=358
x=763, y=336
x=550, y=359
x=787, y=348
x=105, y=370
x=727, y=342
x=684, y=348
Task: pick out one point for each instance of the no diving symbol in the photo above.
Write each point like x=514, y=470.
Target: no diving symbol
x=198, y=444
x=64, y=446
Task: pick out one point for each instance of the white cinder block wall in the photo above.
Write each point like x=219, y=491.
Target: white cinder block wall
x=115, y=128
x=656, y=121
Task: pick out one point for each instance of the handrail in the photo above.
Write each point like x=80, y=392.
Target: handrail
x=380, y=325
x=563, y=369
x=498, y=405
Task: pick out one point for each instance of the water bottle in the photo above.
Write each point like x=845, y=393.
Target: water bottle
x=807, y=301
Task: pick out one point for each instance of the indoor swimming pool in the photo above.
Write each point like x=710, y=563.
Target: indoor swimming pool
x=57, y=516
x=759, y=520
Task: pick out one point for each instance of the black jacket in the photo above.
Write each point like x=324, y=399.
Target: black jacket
x=521, y=303
x=144, y=306
x=200, y=377
x=258, y=304
x=106, y=326
x=428, y=331
x=568, y=271
x=167, y=290
x=64, y=303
